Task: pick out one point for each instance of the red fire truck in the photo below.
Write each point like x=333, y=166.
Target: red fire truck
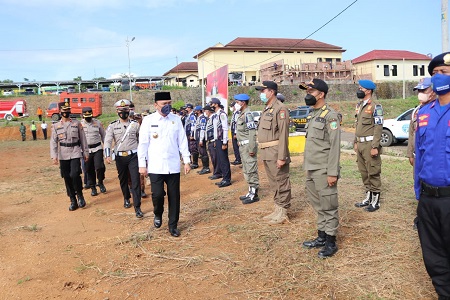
x=11, y=109
x=77, y=102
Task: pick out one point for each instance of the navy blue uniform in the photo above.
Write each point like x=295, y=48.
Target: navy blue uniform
x=234, y=140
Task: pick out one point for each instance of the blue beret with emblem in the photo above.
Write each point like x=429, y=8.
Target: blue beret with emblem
x=367, y=84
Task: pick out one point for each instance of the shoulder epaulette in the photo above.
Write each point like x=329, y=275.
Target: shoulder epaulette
x=114, y=121
x=324, y=113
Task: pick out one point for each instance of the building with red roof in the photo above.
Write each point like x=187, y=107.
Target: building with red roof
x=184, y=74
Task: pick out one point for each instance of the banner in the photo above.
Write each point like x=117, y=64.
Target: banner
x=217, y=86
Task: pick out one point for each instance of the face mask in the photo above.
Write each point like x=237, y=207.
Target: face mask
x=310, y=100
x=441, y=84
x=165, y=110
x=237, y=107
x=65, y=114
x=124, y=115
x=205, y=114
x=263, y=97
x=88, y=119
x=360, y=94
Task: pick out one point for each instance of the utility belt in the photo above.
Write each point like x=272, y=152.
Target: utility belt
x=95, y=145
x=435, y=191
x=126, y=153
x=363, y=139
x=244, y=142
x=70, y=144
x=268, y=144
x=211, y=141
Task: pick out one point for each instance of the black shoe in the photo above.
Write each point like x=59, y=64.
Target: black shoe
x=194, y=166
x=416, y=221
x=81, y=201
x=139, y=213
x=371, y=208
x=366, y=200
x=143, y=194
x=236, y=162
x=218, y=183
x=102, y=187
x=157, y=221
x=204, y=171
x=224, y=184
x=174, y=232
x=250, y=200
x=94, y=191
x=242, y=198
x=126, y=203
x=330, y=247
x=214, y=177
x=317, y=242
x=73, y=204
x=86, y=187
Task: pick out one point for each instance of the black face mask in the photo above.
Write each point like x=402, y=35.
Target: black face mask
x=360, y=94
x=124, y=115
x=310, y=100
x=65, y=114
x=88, y=119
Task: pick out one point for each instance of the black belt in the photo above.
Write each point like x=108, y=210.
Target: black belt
x=95, y=145
x=436, y=191
x=70, y=144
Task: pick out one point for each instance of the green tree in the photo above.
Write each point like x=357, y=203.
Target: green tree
x=7, y=81
x=26, y=79
x=99, y=78
x=77, y=78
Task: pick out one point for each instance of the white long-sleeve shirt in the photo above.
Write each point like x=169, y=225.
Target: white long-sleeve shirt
x=161, y=140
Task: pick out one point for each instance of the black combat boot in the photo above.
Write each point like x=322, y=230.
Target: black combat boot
x=102, y=187
x=139, y=213
x=317, y=242
x=73, y=204
x=330, y=247
x=374, y=203
x=94, y=191
x=194, y=164
x=126, y=203
x=252, y=197
x=242, y=198
x=365, y=201
x=81, y=201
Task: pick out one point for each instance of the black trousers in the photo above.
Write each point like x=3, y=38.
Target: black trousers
x=193, y=146
x=214, y=161
x=44, y=131
x=71, y=171
x=203, y=155
x=173, y=195
x=128, y=166
x=434, y=235
x=237, y=155
x=223, y=161
x=95, y=168
x=33, y=132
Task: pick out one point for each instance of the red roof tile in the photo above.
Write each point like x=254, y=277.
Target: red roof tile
x=389, y=54
x=184, y=67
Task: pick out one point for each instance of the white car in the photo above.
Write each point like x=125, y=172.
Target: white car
x=396, y=130
x=8, y=92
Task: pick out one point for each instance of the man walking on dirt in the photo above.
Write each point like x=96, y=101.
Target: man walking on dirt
x=67, y=145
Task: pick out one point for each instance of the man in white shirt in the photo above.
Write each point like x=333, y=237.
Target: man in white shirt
x=161, y=140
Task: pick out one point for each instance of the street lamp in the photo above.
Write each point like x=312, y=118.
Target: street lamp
x=129, y=66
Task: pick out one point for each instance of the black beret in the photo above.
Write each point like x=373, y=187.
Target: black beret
x=162, y=96
x=442, y=59
x=267, y=85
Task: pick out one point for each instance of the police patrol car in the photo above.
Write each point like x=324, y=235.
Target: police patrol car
x=396, y=130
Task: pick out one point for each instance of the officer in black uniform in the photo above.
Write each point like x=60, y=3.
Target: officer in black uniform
x=234, y=117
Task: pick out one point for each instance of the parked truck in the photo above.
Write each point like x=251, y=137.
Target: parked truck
x=15, y=108
x=77, y=102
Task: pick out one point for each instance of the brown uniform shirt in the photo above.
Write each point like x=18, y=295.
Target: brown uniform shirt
x=412, y=133
x=274, y=126
x=323, y=141
x=367, y=124
x=70, y=134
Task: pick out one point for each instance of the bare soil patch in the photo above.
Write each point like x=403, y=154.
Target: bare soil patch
x=226, y=250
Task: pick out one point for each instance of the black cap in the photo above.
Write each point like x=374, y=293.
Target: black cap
x=442, y=59
x=267, y=85
x=215, y=101
x=316, y=83
x=208, y=108
x=64, y=105
x=189, y=106
x=87, y=111
x=162, y=96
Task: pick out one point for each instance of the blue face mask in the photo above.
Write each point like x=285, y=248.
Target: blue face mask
x=166, y=109
x=441, y=83
x=263, y=97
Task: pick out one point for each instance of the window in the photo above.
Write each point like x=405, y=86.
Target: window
x=75, y=100
x=288, y=51
x=253, y=78
x=235, y=50
x=394, y=70
x=91, y=100
x=83, y=100
x=386, y=70
x=422, y=70
x=249, y=51
x=308, y=52
x=415, y=70
x=191, y=80
x=338, y=60
x=263, y=51
x=330, y=60
x=319, y=59
x=276, y=51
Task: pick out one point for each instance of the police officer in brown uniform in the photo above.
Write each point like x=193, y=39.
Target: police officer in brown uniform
x=321, y=163
x=246, y=140
x=95, y=166
x=369, y=125
x=125, y=135
x=273, y=134
x=67, y=145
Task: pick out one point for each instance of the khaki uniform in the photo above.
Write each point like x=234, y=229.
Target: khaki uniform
x=246, y=140
x=369, y=125
x=95, y=166
x=412, y=133
x=273, y=134
x=322, y=154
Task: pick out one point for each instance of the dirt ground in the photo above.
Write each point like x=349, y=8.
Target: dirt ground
x=226, y=250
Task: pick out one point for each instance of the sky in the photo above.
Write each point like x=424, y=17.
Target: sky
x=48, y=40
